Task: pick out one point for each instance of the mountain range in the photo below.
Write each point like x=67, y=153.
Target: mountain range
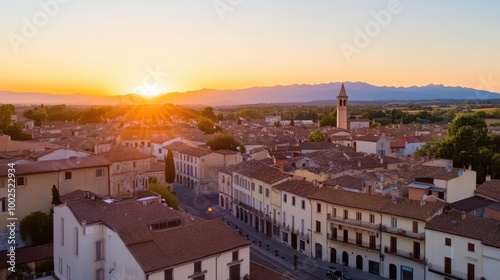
x=303, y=93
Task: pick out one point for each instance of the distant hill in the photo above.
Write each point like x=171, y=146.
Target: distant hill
x=357, y=91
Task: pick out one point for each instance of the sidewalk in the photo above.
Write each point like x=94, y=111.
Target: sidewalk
x=314, y=268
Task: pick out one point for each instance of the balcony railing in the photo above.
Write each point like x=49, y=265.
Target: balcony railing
x=405, y=254
x=403, y=232
x=354, y=242
x=356, y=223
x=453, y=274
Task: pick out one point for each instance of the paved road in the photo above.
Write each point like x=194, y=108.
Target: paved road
x=307, y=268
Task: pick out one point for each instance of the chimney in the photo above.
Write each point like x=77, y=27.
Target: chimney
x=463, y=215
x=359, y=164
x=488, y=178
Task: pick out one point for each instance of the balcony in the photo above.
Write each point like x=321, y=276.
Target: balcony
x=364, y=245
x=352, y=222
x=405, y=233
x=405, y=254
x=452, y=274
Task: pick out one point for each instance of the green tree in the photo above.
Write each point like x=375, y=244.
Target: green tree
x=170, y=199
x=38, y=227
x=6, y=112
x=15, y=131
x=278, y=124
x=292, y=122
x=316, y=136
x=56, y=198
x=329, y=120
x=225, y=141
x=208, y=112
x=169, y=168
x=495, y=166
x=206, y=125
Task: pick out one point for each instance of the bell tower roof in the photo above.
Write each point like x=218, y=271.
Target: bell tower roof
x=342, y=91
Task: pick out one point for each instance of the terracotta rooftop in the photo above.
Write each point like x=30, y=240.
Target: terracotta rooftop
x=490, y=189
x=346, y=181
x=298, y=187
x=486, y=230
x=403, y=207
x=188, y=150
x=195, y=238
x=257, y=170
x=121, y=153
x=317, y=145
x=56, y=165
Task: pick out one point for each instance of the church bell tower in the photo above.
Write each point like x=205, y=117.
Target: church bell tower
x=342, y=109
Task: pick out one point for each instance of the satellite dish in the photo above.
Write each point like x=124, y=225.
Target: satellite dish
x=424, y=197
x=460, y=173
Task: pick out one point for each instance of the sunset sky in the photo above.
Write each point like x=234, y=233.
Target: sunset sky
x=115, y=47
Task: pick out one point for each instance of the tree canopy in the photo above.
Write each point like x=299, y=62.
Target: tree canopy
x=206, y=125
x=316, y=136
x=170, y=199
x=37, y=226
x=225, y=141
x=468, y=143
x=169, y=168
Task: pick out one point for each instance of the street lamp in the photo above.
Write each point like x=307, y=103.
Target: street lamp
x=209, y=212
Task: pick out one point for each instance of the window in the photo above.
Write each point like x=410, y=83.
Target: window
x=302, y=245
x=447, y=241
x=416, y=250
x=117, y=167
x=346, y=236
x=68, y=272
x=303, y=204
x=359, y=238
x=372, y=218
x=359, y=216
x=284, y=197
x=415, y=226
x=21, y=181
x=267, y=192
x=334, y=233
x=67, y=175
x=346, y=214
x=260, y=189
x=334, y=212
x=99, y=250
x=318, y=207
x=447, y=265
x=99, y=172
x=197, y=267
x=99, y=274
x=285, y=236
x=169, y=275
x=76, y=240
x=372, y=241
x=235, y=256
x=318, y=226
x=394, y=244
x=62, y=232
x=3, y=202
x=293, y=200
x=134, y=164
x=470, y=247
x=253, y=186
x=394, y=222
